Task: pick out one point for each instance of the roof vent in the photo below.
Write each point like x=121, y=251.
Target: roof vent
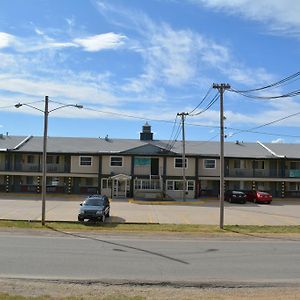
x=146, y=134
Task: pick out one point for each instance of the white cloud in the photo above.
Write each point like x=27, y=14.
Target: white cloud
x=278, y=141
x=99, y=42
x=279, y=15
x=65, y=89
x=93, y=43
x=6, y=40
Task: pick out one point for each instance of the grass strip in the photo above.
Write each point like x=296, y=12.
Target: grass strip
x=168, y=228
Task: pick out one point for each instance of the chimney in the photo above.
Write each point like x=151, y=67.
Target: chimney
x=146, y=134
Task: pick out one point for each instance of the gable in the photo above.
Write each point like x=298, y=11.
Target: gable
x=147, y=149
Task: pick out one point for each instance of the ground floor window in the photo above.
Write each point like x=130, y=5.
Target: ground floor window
x=294, y=186
x=146, y=184
x=177, y=185
x=106, y=183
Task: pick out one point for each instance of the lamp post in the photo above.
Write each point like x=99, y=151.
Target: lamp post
x=46, y=112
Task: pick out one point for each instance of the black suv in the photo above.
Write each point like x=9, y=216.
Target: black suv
x=94, y=207
x=235, y=196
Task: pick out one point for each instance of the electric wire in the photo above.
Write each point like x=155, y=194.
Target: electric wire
x=206, y=95
x=209, y=105
x=173, y=130
x=275, y=84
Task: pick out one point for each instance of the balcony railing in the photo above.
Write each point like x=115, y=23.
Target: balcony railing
x=273, y=173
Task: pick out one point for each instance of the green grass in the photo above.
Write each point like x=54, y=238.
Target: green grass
x=159, y=228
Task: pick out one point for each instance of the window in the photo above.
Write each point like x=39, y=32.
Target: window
x=178, y=163
x=294, y=165
x=177, y=185
x=89, y=181
x=85, y=160
x=52, y=159
x=209, y=163
x=116, y=161
x=106, y=183
x=29, y=180
x=146, y=184
x=30, y=159
x=259, y=164
x=294, y=186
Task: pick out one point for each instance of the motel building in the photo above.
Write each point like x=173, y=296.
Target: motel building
x=146, y=168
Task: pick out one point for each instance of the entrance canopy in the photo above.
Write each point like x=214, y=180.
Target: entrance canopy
x=121, y=177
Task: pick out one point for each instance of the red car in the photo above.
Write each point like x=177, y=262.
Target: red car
x=259, y=197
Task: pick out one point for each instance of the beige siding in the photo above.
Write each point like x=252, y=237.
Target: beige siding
x=77, y=168
x=208, y=172
x=172, y=171
x=107, y=169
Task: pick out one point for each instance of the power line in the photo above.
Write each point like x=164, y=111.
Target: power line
x=173, y=130
x=268, y=123
x=13, y=106
x=275, y=84
x=209, y=105
x=206, y=95
x=287, y=95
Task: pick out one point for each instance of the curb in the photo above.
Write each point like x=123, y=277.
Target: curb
x=147, y=202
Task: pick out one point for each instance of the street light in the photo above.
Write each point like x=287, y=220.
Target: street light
x=46, y=112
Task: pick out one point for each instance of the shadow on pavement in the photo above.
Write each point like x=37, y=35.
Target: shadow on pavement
x=117, y=244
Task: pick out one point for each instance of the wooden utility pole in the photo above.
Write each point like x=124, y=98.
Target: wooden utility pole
x=183, y=114
x=221, y=88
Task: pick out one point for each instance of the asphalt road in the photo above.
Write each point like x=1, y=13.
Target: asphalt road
x=132, y=258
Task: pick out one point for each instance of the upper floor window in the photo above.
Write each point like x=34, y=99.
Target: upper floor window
x=116, y=161
x=85, y=160
x=294, y=165
x=239, y=164
x=52, y=159
x=30, y=159
x=178, y=162
x=259, y=164
x=209, y=163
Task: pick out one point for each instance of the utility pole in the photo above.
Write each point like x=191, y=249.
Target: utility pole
x=183, y=114
x=44, y=164
x=221, y=88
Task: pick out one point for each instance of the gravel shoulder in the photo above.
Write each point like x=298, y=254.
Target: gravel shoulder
x=95, y=290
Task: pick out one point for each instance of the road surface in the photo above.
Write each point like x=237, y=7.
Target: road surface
x=144, y=258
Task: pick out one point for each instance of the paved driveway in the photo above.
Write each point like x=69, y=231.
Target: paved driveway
x=280, y=212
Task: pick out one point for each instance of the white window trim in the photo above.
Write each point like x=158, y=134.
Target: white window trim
x=186, y=163
x=91, y=157
x=173, y=184
x=204, y=167
x=122, y=162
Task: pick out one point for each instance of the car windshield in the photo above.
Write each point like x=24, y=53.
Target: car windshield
x=94, y=202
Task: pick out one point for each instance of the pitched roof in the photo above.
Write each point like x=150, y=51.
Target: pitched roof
x=79, y=145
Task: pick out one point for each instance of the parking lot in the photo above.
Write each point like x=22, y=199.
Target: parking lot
x=202, y=211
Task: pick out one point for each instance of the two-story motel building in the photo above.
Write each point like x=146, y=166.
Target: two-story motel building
x=145, y=167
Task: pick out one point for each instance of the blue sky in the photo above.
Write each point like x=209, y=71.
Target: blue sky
x=131, y=61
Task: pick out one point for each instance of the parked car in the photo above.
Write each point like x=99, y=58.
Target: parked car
x=95, y=207
x=235, y=196
x=259, y=197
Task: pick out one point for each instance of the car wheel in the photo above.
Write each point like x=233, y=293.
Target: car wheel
x=107, y=215
x=80, y=219
x=229, y=200
x=103, y=219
